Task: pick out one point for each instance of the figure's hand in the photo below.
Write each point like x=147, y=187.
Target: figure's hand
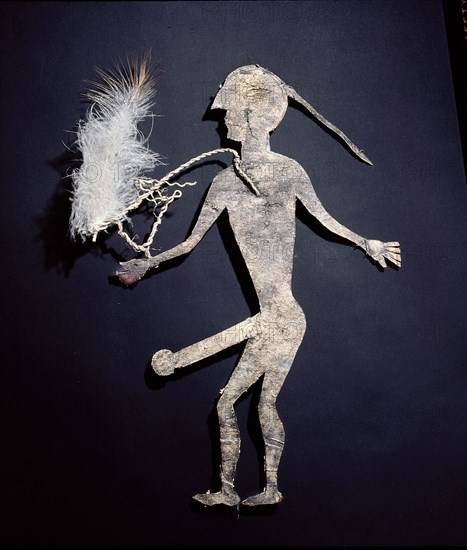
x=134, y=270
x=380, y=252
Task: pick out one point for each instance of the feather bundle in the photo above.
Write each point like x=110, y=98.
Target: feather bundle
x=115, y=153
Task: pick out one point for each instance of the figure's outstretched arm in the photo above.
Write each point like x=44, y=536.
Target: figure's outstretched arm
x=134, y=270
x=377, y=250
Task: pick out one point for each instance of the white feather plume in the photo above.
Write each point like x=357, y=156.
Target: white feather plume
x=115, y=153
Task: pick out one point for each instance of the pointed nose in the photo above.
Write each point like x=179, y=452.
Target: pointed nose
x=218, y=103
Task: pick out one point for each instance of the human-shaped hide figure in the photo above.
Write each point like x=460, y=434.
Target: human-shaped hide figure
x=263, y=218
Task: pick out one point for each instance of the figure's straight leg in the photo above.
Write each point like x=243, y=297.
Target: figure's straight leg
x=283, y=346
x=274, y=439
x=247, y=372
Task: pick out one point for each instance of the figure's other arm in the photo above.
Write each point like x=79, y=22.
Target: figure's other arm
x=134, y=270
x=377, y=250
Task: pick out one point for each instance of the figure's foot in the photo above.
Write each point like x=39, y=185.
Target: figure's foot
x=268, y=496
x=229, y=498
x=163, y=362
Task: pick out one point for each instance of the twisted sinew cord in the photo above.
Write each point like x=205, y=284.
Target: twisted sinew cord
x=155, y=186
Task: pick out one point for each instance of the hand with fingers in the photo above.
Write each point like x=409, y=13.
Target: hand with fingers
x=380, y=252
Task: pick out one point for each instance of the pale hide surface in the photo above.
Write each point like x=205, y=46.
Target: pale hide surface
x=255, y=101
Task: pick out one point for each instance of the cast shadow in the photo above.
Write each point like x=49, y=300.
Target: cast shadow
x=455, y=19
x=218, y=115
x=60, y=252
x=296, y=105
x=155, y=382
x=238, y=264
x=312, y=223
x=233, y=252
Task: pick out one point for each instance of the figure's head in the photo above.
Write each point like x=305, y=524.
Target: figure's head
x=255, y=101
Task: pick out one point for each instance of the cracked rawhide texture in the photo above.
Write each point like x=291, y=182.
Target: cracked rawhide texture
x=255, y=101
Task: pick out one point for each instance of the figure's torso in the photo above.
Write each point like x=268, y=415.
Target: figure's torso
x=264, y=225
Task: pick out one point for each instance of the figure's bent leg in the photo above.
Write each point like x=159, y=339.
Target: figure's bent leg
x=164, y=362
x=280, y=357
x=247, y=372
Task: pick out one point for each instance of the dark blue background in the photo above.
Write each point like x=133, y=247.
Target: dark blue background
x=95, y=450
